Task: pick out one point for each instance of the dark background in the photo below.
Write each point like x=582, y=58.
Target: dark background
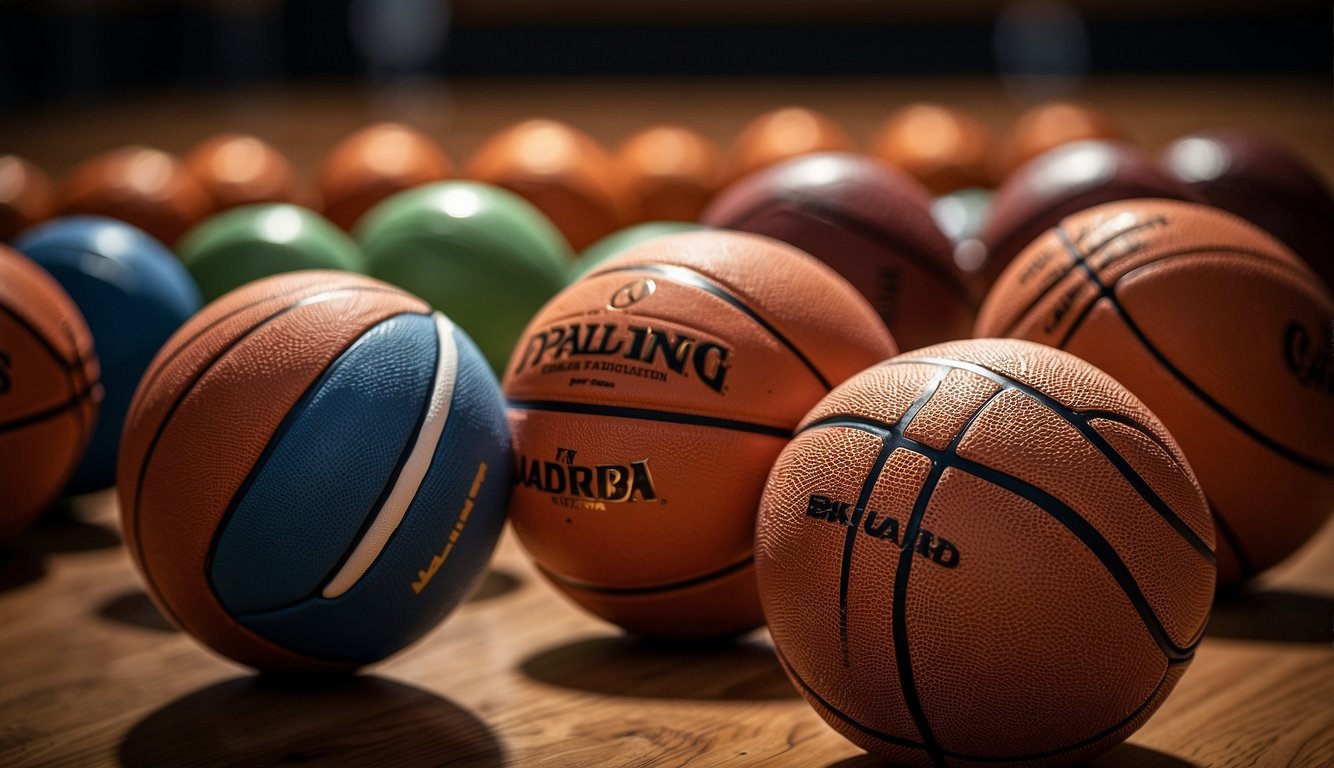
x=72, y=50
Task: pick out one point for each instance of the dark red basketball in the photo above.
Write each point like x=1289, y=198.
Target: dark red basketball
x=1064, y=181
x=871, y=224
x=1264, y=182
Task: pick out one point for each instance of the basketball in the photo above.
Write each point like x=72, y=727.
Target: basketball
x=237, y=169
x=314, y=472
x=984, y=552
x=783, y=134
x=871, y=224
x=648, y=401
x=1048, y=125
x=49, y=390
x=1060, y=182
x=943, y=148
x=26, y=195
x=672, y=171
x=373, y=163
x=1220, y=330
x=147, y=188
x=133, y=293
x=624, y=239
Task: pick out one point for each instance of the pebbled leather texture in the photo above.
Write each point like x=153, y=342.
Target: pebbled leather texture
x=673, y=558
x=1221, y=331
x=205, y=415
x=49, y=390
x=1021, y=584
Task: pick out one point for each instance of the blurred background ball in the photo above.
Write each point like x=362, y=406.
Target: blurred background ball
x=1264, y=182
x=562, y=171
x=144, y=187
x=781, y=135
x=943, y=148
x=26, y=195
x=479, y=253
x=1219, y=329
x=374, y=163
x=1061, y=182
x=236, y=169
x=648, y=401
x=254, y=241
x=315, y=472
x=934, y=588
x=133, y=293
x=49, y=390
x=871, y=224
x=961, y=215
x=625, y=239
x=1046, y=126
x=672, y=171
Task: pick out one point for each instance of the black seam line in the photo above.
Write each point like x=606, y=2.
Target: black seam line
x=286, y=425
x=864, y=497
x=1080, y=423
x=1079, y=256
x=160, y=366
x=690, y=277
x=185, y=393
x=842, y=219
x=897, y=741
x=55, y=410
x=648, y=414
x=65, y=363
x=79, y=383
x=694, y=581
x=899, y=622
x=1225, y=530
x=1108, y=292
x=1057, y=509
x=1125, y=421
x=910, y=744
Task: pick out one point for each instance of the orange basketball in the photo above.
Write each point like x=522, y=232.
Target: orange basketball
x=1221, y=330
x=984, y=552
x=648, y=402
x=145, y=187
x=48, y=390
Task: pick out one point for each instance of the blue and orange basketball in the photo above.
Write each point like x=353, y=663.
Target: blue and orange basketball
x=134, y=295
x=314, y=472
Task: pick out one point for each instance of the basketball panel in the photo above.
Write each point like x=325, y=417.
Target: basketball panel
x=39, y=458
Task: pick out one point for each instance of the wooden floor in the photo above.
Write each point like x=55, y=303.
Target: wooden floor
x=93, y=675
x=90, y=674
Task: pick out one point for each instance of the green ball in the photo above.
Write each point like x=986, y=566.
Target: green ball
x=253, y=241
x=480, y=254
x=624, y=240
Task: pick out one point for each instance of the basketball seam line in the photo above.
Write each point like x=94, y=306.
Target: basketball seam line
x=864, y=497
x=1117, y=418
x=160, y=367
x=286, y=425
x=181, y=397
x=693, y=581
x=695, y=279
x=909, y=743
x=51, y=412
x=1071, y=267
x=1059, y=511
x=1080, y=424
x=865, y=229
x=79, y=360
x=648, y=414
x=1108, y=292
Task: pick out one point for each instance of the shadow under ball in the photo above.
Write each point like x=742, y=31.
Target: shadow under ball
x=26, y=195
x=563, y=172
x=236, y=169
x=782, y=135
x=673, y=171
x=144, y=187
x=1062, y=182
x=943, y=148
x=374, y=163
x=1264, y=182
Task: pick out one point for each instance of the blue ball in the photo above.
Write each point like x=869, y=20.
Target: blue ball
x=134, y=294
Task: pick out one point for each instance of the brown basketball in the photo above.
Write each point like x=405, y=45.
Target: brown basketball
x=945, y=149
x=984, y=552
x=1221, y=330
x=141, y=186
x=783, y=134
x=26, y=196
x=673, y=171
x=49, y=390
x=236, y=169
x=373, y=163
x=648, y=402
